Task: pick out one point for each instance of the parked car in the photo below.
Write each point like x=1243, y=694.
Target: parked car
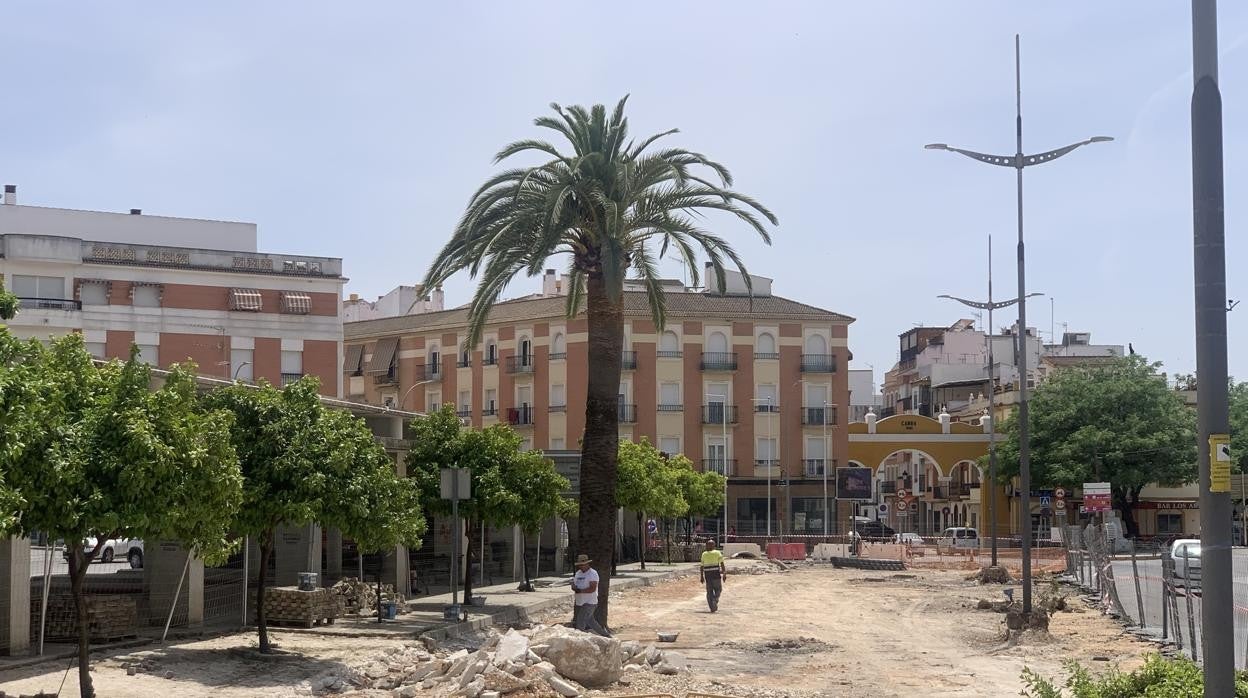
x=958, y=538
x=872, y=528
x=129, y=548
x=1186, y=554
x=907, y=539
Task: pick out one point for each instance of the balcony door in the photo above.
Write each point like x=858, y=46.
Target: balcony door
x=716, y=403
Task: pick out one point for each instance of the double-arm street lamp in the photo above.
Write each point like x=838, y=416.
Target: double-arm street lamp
x=990, y=306
x=1018, y=161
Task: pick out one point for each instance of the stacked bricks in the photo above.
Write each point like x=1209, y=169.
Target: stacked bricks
x=108, y=617
x=304, y=608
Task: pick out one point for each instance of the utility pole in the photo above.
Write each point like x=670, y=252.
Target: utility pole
x=1209, y=259
x=1017, y=162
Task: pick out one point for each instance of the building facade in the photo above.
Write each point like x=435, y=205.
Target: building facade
x=746, y=386
x=177, y=288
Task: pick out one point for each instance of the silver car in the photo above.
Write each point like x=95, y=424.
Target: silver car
x=1186, y=554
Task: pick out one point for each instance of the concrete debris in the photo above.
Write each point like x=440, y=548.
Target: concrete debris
x=356, y=596
x=539, y=661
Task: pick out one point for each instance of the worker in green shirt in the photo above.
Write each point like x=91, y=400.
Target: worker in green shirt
x=712, y=572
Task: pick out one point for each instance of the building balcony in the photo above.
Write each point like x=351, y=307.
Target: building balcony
x=766, y=408
x=726, y=467
x=766, y=356
x=671, y=408
x=818, y=363
x=766, y=467
x=814, y=467
x=668, y=354
x=557, y=408
x=519, y=364
x=558, y=356
x=520, y=416
x=627, y=414
x=488, y=360
x=963, y=489
x=719, y=414
x=818, y=416
x=489, y=411
x=719, y=361
x=288, y=378
x=433, y=372
x=27, y=303
x=938, y=493
x=463, y=412
x=628, y=360
x=463, y=362
x=390, y=377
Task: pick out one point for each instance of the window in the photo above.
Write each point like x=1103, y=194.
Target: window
x=716, y=457
x=95, y=349
x=465, y=358
x=491, y=401
x=765, y=451
x=491, y=353
x=434, y=400
x=558, y=396
x=148, y=296
x=435, y=361
x=1169, y=524
x=766, y=347
x=669, y=395
x=149, y=355
x=557, y=444
x=816, y=448
x=296, y=303
x=241, y=366
x=816, y=395
x=669, y=344
x=717, y=343
x=766, y=399
x=49, y=287
x=465, y=402
x=246, y=299
x=816, y=344
x=526, y=351
x=292, y=366
x=669, y=444
x=93, y=293
x=558, y=346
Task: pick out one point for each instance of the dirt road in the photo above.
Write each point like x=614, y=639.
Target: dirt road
x=854, y=633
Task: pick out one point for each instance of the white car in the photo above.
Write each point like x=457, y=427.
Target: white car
x=129, y=548
x=958, y=538
x=1186, y=554
x=907, y=539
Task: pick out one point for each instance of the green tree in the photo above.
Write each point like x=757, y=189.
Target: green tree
x=440, y=441
x=612, y=205
x=304, y=463
x=98, y=454
x=528, y=493
x=8, y=304
x=648, y=485
x=1239, y=425
x=1116, y=423
x=703, y=491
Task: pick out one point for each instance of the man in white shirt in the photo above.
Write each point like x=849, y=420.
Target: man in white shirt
x=585, y=586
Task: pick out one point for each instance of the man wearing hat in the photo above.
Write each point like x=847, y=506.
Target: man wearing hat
x=585, y=585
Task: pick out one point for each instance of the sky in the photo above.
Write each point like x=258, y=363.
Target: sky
x=359, y=130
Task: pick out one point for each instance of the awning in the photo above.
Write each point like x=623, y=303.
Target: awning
x=296, y=303
x=383, y=355
x=355, y=355
x=245, y=299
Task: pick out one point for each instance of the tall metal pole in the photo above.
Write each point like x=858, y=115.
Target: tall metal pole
x=1024, y=436
x=992, y=421
x=826, y=463
x=1211, y=407
x=772, y=445
x=723, y=423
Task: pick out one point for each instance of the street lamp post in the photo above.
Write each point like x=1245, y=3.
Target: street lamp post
x=992, y=389
x=1018, y=161
x=826, y=462
x=240, y=367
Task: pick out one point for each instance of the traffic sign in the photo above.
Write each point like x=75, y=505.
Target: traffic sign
x=1045, y=501
x=1060, y=505
x=1060, y=493
x=1095, y=488
x=1219, y=463
x=883, y=508
x=914, y=506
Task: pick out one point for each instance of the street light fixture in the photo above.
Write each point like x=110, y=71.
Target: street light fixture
x=403, y=400
x=990, y=306
x=240, y=367
x=1018, y=161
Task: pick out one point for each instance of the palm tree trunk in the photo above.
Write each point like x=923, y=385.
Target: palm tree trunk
x=601, y=441
x=78, y=563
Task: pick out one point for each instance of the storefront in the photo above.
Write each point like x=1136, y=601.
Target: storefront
x=1170, y=518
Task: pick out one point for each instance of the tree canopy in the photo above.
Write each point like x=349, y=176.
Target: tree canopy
x=1116, y=423
x=647, y=482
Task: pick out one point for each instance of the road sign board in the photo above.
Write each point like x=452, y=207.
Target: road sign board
x=883, y=508
x=914, y=506
x=1060, y=505
x=1045, y=501
x=1096, y=503
x=456, y=483
x=1060, y=493
x=1095, y=488
x=1219, y=463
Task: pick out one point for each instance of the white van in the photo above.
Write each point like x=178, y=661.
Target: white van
x=958, y=538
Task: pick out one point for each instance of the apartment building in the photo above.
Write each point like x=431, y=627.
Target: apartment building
x=747, y=386
x=178, y=288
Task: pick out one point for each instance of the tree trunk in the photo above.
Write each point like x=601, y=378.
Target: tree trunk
x=468, y=563
x=262, y=624
x=78, y=563
x=601, y=441
x=524, y=561
x=1126, y=508
x=643, y=539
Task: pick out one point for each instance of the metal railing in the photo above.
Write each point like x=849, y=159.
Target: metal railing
x=766, y=407
x=520, y=416
x=724, y=466
x=388, y=378
x=28, y=303
x=557, y=408
x=519, y=364
x=463, y=412
x=558, y=356
x=888, y=487
x=628, y=360
x=818, y=416
x=719, y=361
x=288, y=378
x=628, y=413
x=669, y=354
x=719, y=414
x=490, y=360
x=818, y=363
x=489, y=411
x=764, y=467
x=814, y=467
x=766, y=356
x=671, y=408
x=464, y=362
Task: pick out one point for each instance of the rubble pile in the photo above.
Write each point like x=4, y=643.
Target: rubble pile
x=355, y=596
x=552, y=661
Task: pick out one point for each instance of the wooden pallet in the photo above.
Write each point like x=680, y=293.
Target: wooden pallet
x=289, y=605
x=300, y=623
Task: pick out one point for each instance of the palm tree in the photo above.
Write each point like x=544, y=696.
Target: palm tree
x=613, y=206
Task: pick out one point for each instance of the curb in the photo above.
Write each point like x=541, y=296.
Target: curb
x=516, y=613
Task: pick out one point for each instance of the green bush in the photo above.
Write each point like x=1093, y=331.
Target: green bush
x=1158, y=678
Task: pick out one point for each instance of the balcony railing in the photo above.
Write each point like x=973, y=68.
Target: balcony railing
x=719, y=361
x=628, y=413
x=628, y=360
x=464, y=362
x=27, y=303
x=766, y=467
x=766, y=407
x=668, y=354
x=558, y=356
x=557, y=408
x=814, y=467
x=726, y=467
x=938, y=492
x=719, y=414
x=433, y=371
x=888, y=487
x=520, y=416
x=818, y=363
x=390, y=377
x=489, y=360
x=962, y=489
x=671, y=408
x=519, y=364
x=288, y=378
x=818, y=416
x=766, y=355
x=463, y=412
x=489, y=411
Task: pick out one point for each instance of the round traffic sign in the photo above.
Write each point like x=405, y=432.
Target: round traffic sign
x=914, y=506
x=883, y=508
x=1060, y=505
x=901, y=492
x=1059, y=492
